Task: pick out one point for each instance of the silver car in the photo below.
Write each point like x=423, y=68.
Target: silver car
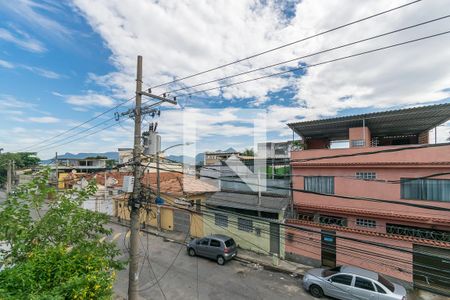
x=347, y=282
x=219, y=247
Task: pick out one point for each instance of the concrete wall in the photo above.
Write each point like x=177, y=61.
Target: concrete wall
x=246, y=240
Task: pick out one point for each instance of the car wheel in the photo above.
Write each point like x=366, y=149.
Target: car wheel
x=316, y=291
x=220, y=260
x=191, y=252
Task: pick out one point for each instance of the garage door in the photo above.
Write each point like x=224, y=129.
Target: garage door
x=431, y=269
x=181, y=221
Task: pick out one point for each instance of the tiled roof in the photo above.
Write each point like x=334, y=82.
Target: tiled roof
x=182, y=185
x=371, y=233
x=365, y=212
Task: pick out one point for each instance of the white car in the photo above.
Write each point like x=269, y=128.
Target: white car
x=349, y=283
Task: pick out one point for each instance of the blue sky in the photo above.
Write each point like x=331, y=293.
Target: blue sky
x=62, y=63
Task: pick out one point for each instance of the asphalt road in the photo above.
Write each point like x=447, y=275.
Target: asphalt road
x=198, y=278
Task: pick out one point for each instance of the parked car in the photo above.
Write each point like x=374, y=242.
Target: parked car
x=219, y=247
x=347, y=282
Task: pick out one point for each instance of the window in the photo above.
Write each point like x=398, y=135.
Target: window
x=198, y=205
x=204, y=242
x=380, y=289
x=357, y=143
x=258, y=231
x=342, y=279
x=366, y=223
x=364, y=284
x=230, y=243
x=423, y=233
x=331, y=220
x=215, y=243
x=320, y=184
x=366, y=175
x=305, y=217
x=425, y=189
x=221, y=220
x=245, y=224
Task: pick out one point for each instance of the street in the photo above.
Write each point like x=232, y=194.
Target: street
x=198, y=278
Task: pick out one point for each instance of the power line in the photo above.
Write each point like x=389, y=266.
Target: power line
x=82, y=137
x=311, y=54
x=424, y=206
x=79, y=125
x=76, y=134
x=288, y=44
x=314, y=65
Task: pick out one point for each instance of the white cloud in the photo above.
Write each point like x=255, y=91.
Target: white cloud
x=45, y=120
x=42, y=72
x=35, y=15
x=184, y=37
x=6, y=64
x=22, y=40
x=89, y=99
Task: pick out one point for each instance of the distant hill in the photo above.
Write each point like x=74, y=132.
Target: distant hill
x=198, y=160
x=109, y=155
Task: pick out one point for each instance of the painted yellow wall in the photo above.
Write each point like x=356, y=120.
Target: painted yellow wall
x=246, y=240
x=61, y=177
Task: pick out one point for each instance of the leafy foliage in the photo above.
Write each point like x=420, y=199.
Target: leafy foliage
x=248, y=152
x=21, y=159
x=58, y=249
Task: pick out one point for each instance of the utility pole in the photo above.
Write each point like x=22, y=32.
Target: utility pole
x=135, y=199
x=56, y=170
x=133, y=280
x=8, y=178
x=13, y=174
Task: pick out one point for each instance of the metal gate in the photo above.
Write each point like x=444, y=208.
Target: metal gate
x=181, y=221
x=431, y=269
x=275, y=238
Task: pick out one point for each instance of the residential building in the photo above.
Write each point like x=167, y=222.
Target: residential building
x=184, y=197
x=252, y=220
x=81, y=165
x=366, y=205
x=276, y=149
x=109, y=185
x=216, y=157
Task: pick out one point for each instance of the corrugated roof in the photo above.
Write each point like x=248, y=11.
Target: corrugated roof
x=248, y=201
x=393, y=122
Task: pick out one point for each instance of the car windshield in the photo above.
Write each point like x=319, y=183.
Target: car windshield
x=229, y=243
x=386, y=283
x=329, y=272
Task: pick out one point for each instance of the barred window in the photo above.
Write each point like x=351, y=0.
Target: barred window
x=245, y=224
x=366, y=223
x=425, y=189
x=366, y=175
x=331, y=220
x=423, y=233
x=357, y=143
x=320, y=184
x=221, y=220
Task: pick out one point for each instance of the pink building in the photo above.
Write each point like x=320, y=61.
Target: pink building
x=381, y=200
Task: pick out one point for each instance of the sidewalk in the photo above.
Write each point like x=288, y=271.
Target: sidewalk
x=245, y=256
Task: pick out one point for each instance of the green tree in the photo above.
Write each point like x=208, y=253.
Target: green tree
x=21, y=160
x=248, y=152
x=57, y=250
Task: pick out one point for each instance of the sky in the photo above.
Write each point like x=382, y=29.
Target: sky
x=65, y=62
